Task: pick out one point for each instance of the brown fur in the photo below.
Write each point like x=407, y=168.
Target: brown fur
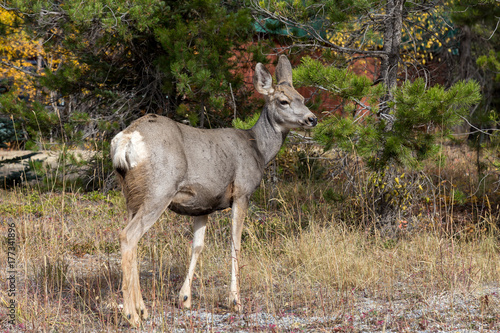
x=134, y=186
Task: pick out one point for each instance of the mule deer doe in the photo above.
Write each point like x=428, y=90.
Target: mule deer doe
x=163, y=164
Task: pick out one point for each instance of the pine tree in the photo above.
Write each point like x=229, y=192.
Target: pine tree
x=387, y=120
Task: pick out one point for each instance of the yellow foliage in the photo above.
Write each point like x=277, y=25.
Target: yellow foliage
x=23, y=58
x=421, y=37
x=16, y=48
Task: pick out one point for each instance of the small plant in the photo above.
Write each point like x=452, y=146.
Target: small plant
x=394, y=191
x=95, y=196
x=330, y=195
x=53, y=275
x=308, y=166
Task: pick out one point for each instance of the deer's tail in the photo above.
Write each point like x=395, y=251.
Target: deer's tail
x=128, y=150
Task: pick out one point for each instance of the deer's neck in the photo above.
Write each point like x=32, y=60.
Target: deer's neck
x=268, y=135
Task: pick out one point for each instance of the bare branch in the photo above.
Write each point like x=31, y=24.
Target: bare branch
x=496, y=27
x=4, y=6
x=477, y=129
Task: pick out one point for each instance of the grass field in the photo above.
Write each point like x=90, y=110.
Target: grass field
x=313, y=251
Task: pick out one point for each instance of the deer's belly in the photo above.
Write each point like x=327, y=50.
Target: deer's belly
x=195, y=200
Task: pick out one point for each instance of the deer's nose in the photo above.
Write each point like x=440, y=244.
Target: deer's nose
x=313, y=121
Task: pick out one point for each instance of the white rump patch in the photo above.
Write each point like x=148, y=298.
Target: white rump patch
x=128, y=150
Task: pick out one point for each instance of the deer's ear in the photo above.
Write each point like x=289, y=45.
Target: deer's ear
x=262, y=80
x=284, y=71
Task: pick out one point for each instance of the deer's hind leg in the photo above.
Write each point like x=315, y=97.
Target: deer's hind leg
x=133, y=305
x=146, y=214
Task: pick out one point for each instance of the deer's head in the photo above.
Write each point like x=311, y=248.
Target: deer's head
x=285, y=105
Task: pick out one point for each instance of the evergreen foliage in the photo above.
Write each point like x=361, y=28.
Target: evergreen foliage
x=339, y=81
x=106, y=63
x=247, y=123
x=418, y=113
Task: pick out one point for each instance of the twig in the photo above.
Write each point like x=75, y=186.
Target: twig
x=234, y=101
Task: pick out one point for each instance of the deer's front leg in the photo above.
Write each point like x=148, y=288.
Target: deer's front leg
x=199, y=226
x=239, y=212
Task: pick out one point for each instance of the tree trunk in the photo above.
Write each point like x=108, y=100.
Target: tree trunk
x=389, y=66
x=465, y=53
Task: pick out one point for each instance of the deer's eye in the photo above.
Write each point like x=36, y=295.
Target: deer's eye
x=284, y=102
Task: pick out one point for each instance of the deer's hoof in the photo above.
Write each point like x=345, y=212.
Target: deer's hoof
x=185, y=302
x=133, y=319
x=235, y=306
x=144, y=314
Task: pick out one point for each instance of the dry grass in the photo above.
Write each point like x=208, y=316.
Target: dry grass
x=304, y=258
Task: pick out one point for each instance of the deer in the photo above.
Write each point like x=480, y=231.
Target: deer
x=161, y=163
